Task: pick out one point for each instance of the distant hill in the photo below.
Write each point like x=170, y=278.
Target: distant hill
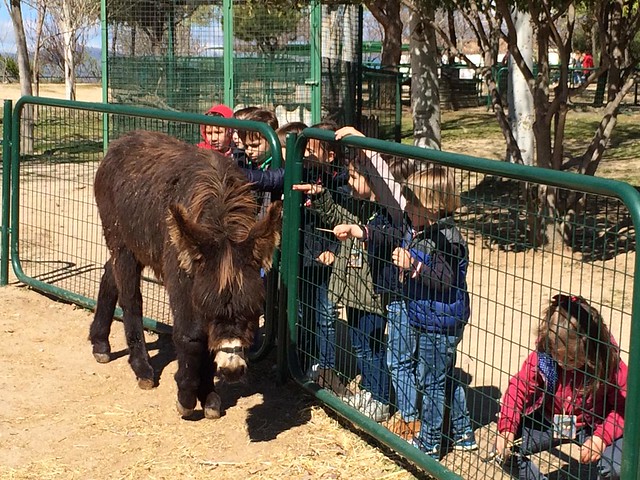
x=89, y=71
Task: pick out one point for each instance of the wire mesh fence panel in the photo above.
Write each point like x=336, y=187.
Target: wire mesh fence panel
x=302, y=61
x=457, y=307
x=57, y=234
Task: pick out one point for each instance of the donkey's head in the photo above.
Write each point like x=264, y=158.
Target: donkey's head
x=224, y=256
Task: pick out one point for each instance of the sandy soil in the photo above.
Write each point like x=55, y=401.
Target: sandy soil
x=84, y=92
x=64, y=416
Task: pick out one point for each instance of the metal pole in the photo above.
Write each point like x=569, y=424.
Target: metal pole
x=6, y=188
x=227, y=52
x=315, y=44
x=104, y=59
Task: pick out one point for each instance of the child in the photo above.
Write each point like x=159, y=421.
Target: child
x=429, y=308
x=272, y=180
x=215, y=137
x=351, y=285
x=320, y=314
x=256, y=147
x=571, y=388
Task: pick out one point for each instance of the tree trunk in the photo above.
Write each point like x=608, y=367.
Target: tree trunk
x=425, y=95
x=387, y=13
x=26, y=126
x=69, y=36
x=521, y=111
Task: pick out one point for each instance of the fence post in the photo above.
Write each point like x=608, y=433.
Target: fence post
x=6, y=188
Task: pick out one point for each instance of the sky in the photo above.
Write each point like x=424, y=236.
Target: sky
x=7, y=37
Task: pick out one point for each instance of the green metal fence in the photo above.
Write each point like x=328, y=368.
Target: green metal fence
x=302, y=61
x=56, y=243
x=589, y=250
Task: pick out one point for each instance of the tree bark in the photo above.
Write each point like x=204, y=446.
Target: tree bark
x=521, y=111
x=26, y=126
x=425, y=95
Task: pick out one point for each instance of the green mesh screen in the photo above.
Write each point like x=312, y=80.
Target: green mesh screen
x=171, y=55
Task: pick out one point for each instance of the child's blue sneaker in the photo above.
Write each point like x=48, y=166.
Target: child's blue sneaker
x=466, y=443
x=433, y=452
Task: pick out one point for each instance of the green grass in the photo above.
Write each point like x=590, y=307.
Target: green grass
x=621, y=160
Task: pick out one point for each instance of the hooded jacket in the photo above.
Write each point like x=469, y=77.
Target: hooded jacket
x=436, y=283
x=219, y=111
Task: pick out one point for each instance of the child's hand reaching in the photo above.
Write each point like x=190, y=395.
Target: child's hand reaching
x=308, y=188
x=503, y=444
x=346, y=131
x=591, y=450
x=401, y=258
x=345, y=231
x=326, y=258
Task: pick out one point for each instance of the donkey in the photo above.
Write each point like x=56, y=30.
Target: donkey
x=189, y=214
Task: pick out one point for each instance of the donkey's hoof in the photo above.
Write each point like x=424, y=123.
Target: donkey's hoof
x=213, y=406
x=102, y=357
x=146, y=383
x=184, y=412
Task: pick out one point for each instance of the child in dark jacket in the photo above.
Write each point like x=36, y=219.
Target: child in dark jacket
x=428, y=309
x=351, y=285
x=571, y=388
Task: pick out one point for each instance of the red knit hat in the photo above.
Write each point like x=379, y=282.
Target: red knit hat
x=221, y=110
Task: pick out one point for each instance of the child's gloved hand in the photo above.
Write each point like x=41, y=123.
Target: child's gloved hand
x=591, y=450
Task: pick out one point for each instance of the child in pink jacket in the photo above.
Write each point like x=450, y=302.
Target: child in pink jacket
x=572, y=388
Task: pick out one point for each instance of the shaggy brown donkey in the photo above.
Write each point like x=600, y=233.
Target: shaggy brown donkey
x=190, y=215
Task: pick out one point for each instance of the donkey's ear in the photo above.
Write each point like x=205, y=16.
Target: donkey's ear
x=183, y=234
x=266, y=235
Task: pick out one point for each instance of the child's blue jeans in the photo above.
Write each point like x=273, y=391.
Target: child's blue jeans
x=326, y=317
x=367, y=334
x=401, y=347
x=440, y=387
x=537, y=436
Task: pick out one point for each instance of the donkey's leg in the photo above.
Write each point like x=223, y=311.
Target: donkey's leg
x=127, y=273
x=191, y=351
x=210, y=400
x=103, y=318
x=190, y=342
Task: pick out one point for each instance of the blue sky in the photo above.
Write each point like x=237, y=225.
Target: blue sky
x=7, y=37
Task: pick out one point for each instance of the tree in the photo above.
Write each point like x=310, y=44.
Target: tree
x=425, y=94
x=26, y=129
x=521, y=111
x=268, y=24
x=72, y=18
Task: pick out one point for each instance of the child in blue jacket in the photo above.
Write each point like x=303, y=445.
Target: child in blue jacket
x=428, y=309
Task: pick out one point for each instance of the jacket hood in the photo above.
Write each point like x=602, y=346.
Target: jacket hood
x=216, y=110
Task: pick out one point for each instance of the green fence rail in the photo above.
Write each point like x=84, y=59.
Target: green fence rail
x=509, y=283
x=56, y=247
x=56, y=239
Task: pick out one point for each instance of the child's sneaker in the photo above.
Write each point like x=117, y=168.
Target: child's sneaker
x=367, y=405
x=372, y=408
x=327, y=378
x=466, y=443
x=433, y=452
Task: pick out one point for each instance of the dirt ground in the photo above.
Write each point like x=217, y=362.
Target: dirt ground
x=64, y=416
x=86, y=92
